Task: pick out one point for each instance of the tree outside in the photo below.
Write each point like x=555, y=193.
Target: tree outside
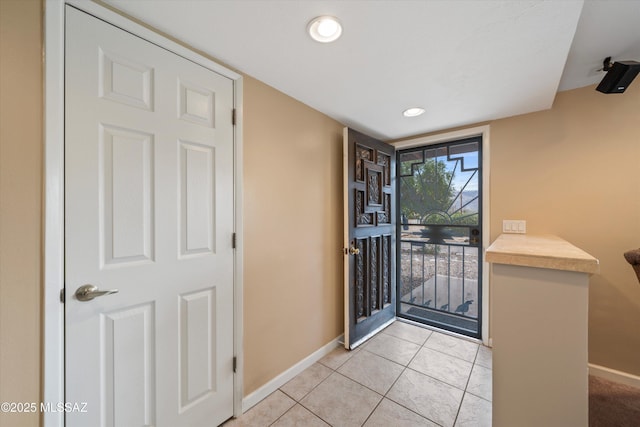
x=428, y=195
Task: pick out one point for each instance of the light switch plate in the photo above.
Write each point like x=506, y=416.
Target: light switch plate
x=514, y=226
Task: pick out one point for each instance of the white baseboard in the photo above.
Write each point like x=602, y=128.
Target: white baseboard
x=613, y=375
x=251, y=400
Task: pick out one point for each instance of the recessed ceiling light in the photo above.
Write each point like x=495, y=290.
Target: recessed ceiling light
x=413, y=112
x=324, y=29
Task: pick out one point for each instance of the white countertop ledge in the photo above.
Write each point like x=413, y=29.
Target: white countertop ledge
x=540, y=251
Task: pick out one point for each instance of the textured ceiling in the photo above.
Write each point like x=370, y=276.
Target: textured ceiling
x=606, y=28
x=463, y=61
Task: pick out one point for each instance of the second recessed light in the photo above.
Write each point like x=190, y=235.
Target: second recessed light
x=413, y=112
x=324, y=29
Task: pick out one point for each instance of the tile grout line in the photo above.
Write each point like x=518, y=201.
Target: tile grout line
x=298, y=402
x=374, y=410
x=384, y=395
x=423, y=346
x=334, y=371
x=448, y=356
x=451, y=355
x=475, y=363
x=405, y=367
x=464, y=392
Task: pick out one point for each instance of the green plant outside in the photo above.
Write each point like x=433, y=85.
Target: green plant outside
x=427, y=195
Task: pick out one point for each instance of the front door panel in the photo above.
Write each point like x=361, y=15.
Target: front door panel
x=369, y=236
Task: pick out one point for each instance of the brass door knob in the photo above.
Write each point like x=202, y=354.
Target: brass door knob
x=354, y=251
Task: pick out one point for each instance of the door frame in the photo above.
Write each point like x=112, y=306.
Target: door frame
x=486, y=206
x=52, y=335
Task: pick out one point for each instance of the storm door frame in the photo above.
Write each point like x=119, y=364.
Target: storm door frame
x=484, y=133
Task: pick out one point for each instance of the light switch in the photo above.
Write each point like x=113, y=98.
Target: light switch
x=518, y=226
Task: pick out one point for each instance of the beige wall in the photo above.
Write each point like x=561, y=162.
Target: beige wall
x=571, y=171
x=293, y=221
x=20, y=205
x=293, y=232
x=574, y=171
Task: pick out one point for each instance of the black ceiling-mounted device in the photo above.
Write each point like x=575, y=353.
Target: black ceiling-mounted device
x=619, y=75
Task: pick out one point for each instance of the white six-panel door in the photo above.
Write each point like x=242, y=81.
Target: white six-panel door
x=149, y=212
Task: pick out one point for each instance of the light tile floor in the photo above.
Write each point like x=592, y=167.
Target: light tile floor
x=404, y=376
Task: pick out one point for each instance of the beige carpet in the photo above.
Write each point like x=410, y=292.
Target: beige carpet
x=612, y=404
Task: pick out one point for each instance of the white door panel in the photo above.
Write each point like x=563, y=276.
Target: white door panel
x=148, y=211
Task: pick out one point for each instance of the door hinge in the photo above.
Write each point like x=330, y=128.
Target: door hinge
x=233, y=116
x=235, y=364
x=233, y=240
x=62, y=295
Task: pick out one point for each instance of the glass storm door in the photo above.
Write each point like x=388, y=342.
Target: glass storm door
x=440, y=235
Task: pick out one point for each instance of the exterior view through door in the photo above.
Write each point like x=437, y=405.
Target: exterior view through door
x=149, y=207
x=421, y=260
x=440, y=235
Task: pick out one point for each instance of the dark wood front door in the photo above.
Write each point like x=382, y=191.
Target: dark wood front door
x=369, y=174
